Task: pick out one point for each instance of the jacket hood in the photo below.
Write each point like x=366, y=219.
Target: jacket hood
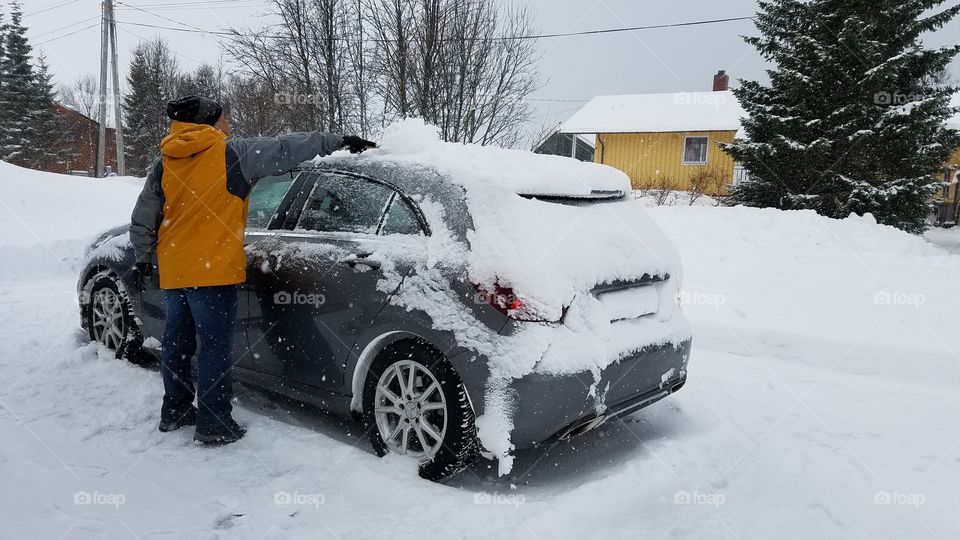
x=186, y=139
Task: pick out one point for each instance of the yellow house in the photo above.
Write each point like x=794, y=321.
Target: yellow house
x=948, y=204
x=664, y=140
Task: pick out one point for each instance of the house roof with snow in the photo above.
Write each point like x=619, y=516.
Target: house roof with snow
x=954, y=121
x=658, y=113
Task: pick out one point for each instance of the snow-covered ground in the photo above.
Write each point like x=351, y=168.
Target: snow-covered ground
x=822, y=402
x=948, y=239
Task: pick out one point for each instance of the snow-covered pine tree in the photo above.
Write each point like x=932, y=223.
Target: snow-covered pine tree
x=852, y=120
x=17, y=91
x=151, y=81
x=135, y=105
x=206, y=81
x=47, y=151
x=3, y=78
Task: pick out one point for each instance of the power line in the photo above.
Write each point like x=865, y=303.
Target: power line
x=196, y=3
x=146, y=25
x=195, y=29
x=44, y=10
x=68, y=35
x=181, y=7
x=138, y=36
x=162, y=17
x=626, y=29
x=55, y=30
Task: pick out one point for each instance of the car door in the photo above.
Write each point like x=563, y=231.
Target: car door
x=315, y=285
x=263, y=202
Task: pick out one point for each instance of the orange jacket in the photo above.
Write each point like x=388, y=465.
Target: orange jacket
x=193, y=208
x=200, y=240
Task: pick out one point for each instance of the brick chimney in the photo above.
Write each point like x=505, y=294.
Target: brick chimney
x=721, y=81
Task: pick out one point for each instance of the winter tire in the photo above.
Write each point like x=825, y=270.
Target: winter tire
x=110, y=319
x=415, y=404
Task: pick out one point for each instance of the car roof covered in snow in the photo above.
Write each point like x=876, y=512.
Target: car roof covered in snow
x=413, y=146
x=658, y=113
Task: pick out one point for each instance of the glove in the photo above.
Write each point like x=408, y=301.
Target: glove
x=142, y=275
x=357, y=145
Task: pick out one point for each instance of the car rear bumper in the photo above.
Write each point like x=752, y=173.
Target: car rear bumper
x=552, y=407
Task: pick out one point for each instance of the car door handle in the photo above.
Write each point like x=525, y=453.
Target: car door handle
x=362, y=259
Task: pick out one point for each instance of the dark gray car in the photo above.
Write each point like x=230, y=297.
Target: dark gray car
x=316, y=321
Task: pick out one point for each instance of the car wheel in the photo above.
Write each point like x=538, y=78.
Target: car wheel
x=415, y=404
x=110, y=319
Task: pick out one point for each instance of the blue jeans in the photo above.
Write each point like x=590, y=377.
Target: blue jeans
x=207, y=312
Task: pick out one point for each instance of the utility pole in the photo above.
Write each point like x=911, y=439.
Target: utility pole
x=121, y=166
x=102, y=139
x=108, y=36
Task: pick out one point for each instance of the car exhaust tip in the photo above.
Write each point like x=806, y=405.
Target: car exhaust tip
x=678, y=386
x=584, y=427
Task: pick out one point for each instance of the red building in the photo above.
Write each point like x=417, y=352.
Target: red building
x=81, y=136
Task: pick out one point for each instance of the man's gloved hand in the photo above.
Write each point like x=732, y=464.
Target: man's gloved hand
x=356, y=144
x=142, y=275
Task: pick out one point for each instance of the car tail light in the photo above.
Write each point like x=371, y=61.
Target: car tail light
x=507, y=301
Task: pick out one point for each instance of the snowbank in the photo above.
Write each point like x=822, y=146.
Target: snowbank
x=798, y=286
x=47, y=219
x=948, y=239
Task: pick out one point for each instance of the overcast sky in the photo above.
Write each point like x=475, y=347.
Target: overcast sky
x=574, y=68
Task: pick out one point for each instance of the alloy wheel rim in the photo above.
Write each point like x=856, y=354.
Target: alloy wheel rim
x=410, y=410
x=108, y=322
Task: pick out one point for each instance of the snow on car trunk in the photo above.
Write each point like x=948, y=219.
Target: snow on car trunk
x=530, y=241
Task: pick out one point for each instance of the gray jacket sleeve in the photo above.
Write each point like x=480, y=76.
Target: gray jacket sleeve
x=258, y=157
x=147, y=214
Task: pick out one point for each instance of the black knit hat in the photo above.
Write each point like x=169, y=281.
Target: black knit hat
x=195, y=110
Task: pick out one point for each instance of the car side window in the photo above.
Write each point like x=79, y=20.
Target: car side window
x=265, y=198
x=344, y=204
x=400, y=219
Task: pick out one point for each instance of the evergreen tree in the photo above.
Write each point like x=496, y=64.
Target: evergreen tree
x=17, y=93
x=152, y=82
x=852, y=120
x=135, y=136
x=205, y=81
x=47, y=151
x=3, y=78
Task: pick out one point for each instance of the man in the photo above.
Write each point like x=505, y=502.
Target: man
x=192, y=213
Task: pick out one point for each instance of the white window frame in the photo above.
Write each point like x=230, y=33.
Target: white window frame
x=706, y=154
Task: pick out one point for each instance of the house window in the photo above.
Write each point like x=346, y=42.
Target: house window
x=695, y=150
